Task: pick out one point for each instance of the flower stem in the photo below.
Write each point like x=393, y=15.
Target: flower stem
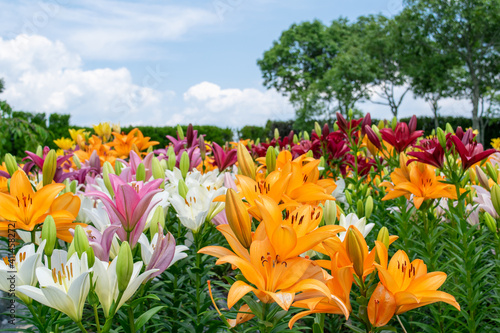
x=35, y=316
x=131, y=319
x=96, y=315
x=401, y=323
x=81, y=327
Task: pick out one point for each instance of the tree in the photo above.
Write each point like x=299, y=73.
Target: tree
x=467, y=30
x=321, y=69
x=2, y=87
x=381, y=44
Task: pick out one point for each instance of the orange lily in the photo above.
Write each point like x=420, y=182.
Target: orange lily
x=381, y=306
x=410, y=283
x=134, y=140
x=422, y=182
x=3, y=181
x=27, y=208
x=103, y=151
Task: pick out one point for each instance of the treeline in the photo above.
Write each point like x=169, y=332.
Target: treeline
x=491, y=130
x=43, y=131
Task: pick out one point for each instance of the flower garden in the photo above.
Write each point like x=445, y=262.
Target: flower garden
x=355, y=227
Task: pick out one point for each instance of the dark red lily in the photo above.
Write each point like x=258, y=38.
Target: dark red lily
x=373, y=137
x=431, y=153
x=404, y=135
x=223, y=159
x=470, y=153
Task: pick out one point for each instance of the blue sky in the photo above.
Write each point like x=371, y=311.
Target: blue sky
x=161, y=62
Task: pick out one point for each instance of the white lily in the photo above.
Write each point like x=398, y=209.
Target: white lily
x=147, y=250
x=353, y=219
x=65, y=287
x=106, y=283
x=338, y=193
x=21, y=271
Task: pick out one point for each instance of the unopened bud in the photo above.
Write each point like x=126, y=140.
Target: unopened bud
x=158, y=219
x=360, y=207
x=73, y=186
x=309, y=154
x=49, y=167
x=39, y=151
x=330, y=212
x=71, y=250
x=76, y=160
x=356, y=248
x=350, y=113
x=306, y=136
x=90, y=256
x=295, y=139
x=171, y=161
x=118, y=168
x=184, y=164
x=49, y=234
x=257, y=142
x=322, y=163
x=449, y=129
x=482, y=178
x=276, y=134
x=270, y=159
x=80, y=240
x=368, y=207
x=11, y=164
x=124, y=266
x=394, y=123
x=335, y=127
x=182, y=188
x=107, y=169
x=158, y=171
x=441, y=137
x=317, y=128
x=383, y=236
x=492, y=172
x=140, y=173
x=495, y=197
x=245, y=162
x=490, y=222
x=348, y=197
x=381, y=124
x=203, y=148
x=238, y=218
x=180, y=132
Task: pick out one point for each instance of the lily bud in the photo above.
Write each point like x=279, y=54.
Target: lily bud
x=49, y=167
x=10, y=163
x=158, y=171
x=368, y=207
x=295, y=139
x=355, y=251
x=490, y=222
x=381, y=307
x=90, y=256
x=107, y=169
x=306, y=136
x=76, y=160
x=441, y=137
x=140, y=173
x=257, y=142
x=118, y=168
x=317, y=128
x=492, y=172
x=71, y=249
x=394, y=123
x=383, y=236
x=164, y=165
x=39, y=151
x=309, y=154
x=124, y=266
x=171, y=158
x=495, y=197
x=180, y=132
x=482, y=178
x=184, y=164
x=238, y=218
x=360, y=207
x=270, y=159
x=335, y=127
x=322, y=163
x=276, y=134
x=182, y=188
x=203, y=148
x=449, y=129
x=348, y=197
x=80, y=240
x=49, y=234
x=157, y=220
x=325, y=131
x=330, y=212
x=381, y=124
x=245, y=162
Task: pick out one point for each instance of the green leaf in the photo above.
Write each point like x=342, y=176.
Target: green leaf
x=139, y=322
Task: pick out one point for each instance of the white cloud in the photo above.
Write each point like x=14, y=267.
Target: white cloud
x=208, y=103
x=44, y=76
x=105, y=29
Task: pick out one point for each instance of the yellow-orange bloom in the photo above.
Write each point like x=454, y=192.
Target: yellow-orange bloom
x=27, y=208
x=238, y=218
x=103, y=130
x=422, y=183
x=65, y=143
x=381, y=306
x=410, y=283
x=134, y=140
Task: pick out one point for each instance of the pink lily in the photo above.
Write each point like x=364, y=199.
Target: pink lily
x=131, y=206
x=223, y=159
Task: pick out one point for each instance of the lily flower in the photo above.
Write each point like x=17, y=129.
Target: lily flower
x=65, y=287
x=161, y=253
x=431, y=153
x=359, y=223
x=131, y=206
x=223, y=159
x=34, y=159
x=106, y=283
x=24, y=266
x=470, y=153
x=410, y=283
x=422, y=183
x=27, y=208
x=403, y=136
